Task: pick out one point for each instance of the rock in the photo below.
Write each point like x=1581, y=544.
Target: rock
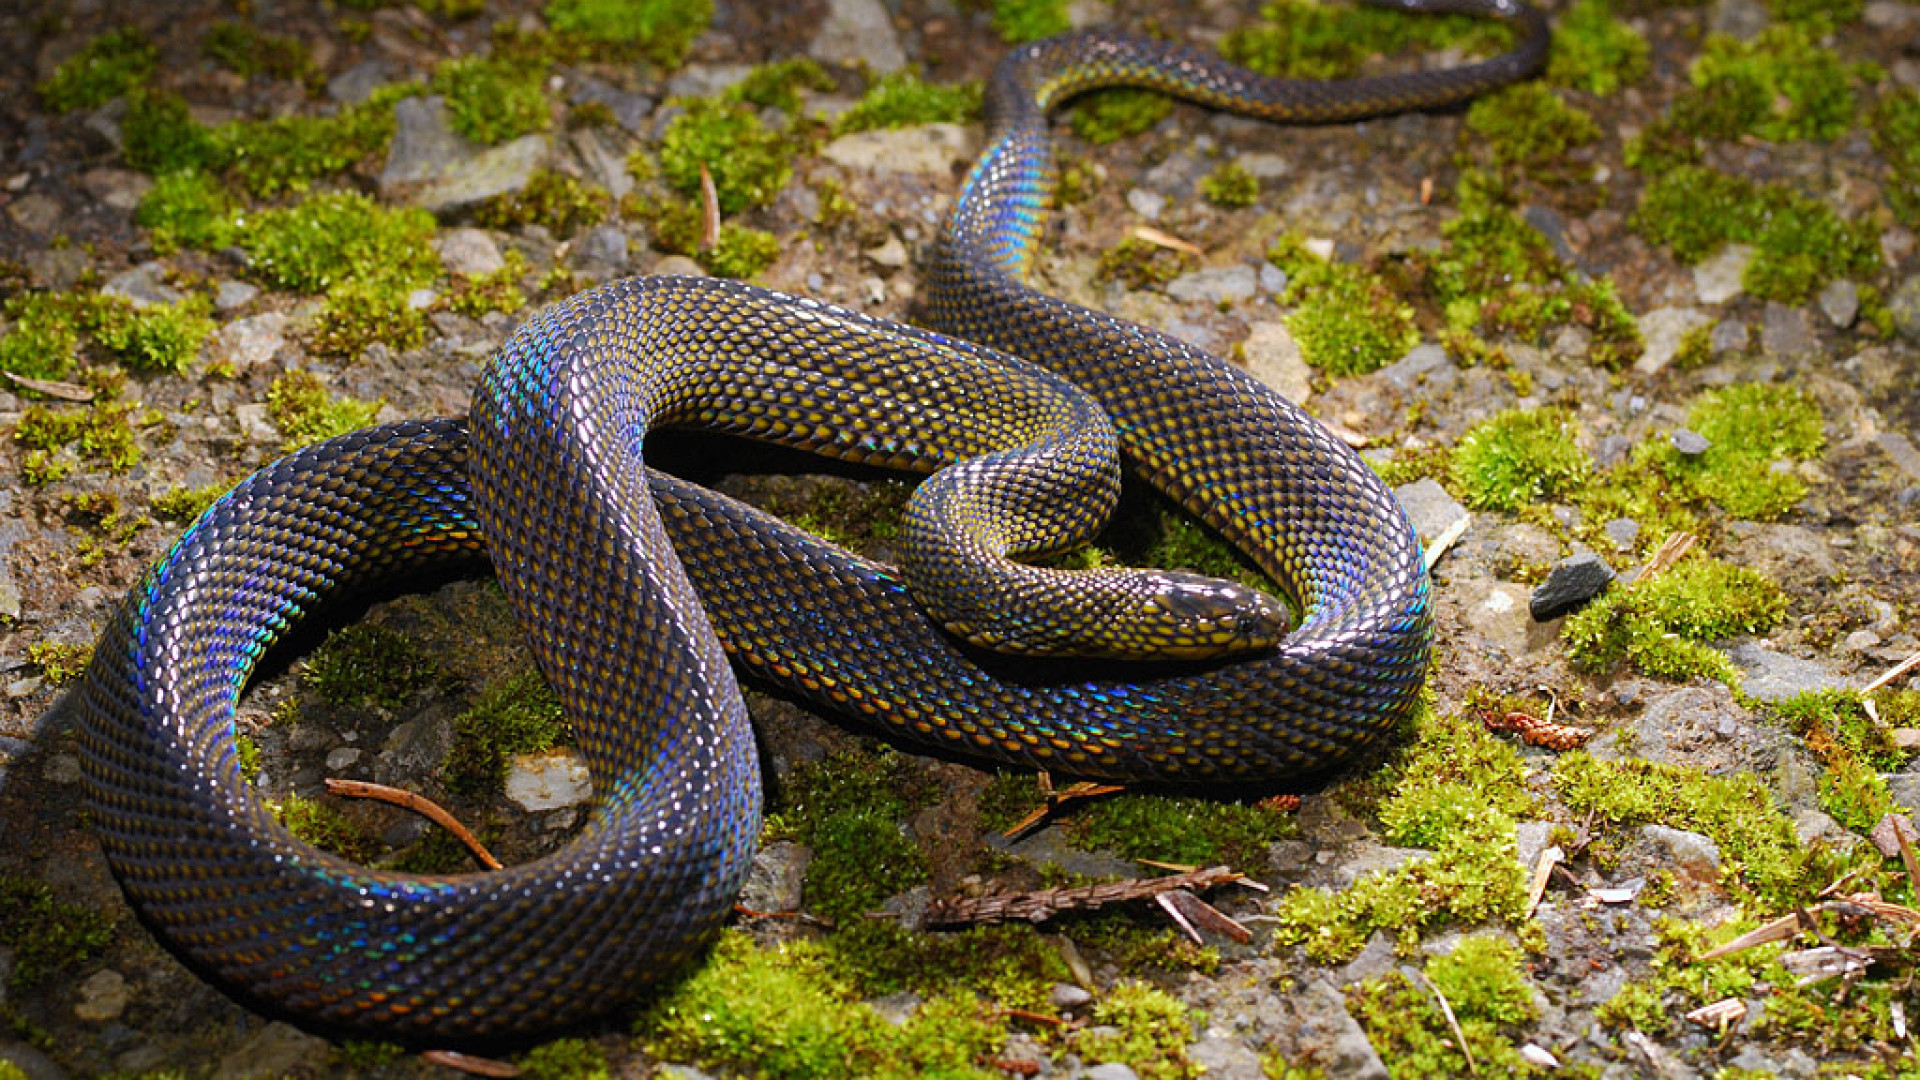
x=856, y=32
x=678, y=266
x=1148, y=204
x=681, y=1072
x=1374, y=959
x=1431, y=509
x=602, y=253
x=357, y=83
x=272, y=1051
x=1904, y=305
x=1663, y=328
x=1216, y=285
x=36, y=212
x=431, y=166
x=1623, y=532
x=230, y=294
x=1413, y=369
x=57, y=267
x=603, y=165
x=1221, y=1058
x=120, y=189
x=468, y=251
x=1729, y=336
x=1716, y=280
x=891, y=253
x=1901, y=450
x=629, y=110
x=1787, y=333
x=1739, y=18
x=244, y=343
x=1689, y=442
x=1501, y=616
x=1068, y=996
x=1699, y=726
x=1793, y=555
x=144, y=285
x=1569, y=585
x=1110, y=1070
x=1693, y=855
x=778, y=877
x=705, y=80
x=1775, y=676
x=1273, y=357
x=1840, y=299
x=1325, y=1035
x=548, y=781
x=1887, y=834
x=103, y=996
x=927, y=150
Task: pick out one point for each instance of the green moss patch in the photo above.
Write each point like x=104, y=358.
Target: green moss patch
x=367, y=665
x=660, y=30
x=777, y=85
x=1231, y=186
x=1144, y=1027
x=326, y=828
x=1193, y=831
x=187, y=208
x=263, y=157
x=1304, y=40
x=1518, y=458
x=1019, y=21
x=48, y=329
x=1141, y=264
x=564, y=1059
x=849, y=809
x=1781, y=85
x=1802, y=244
x=492, y=101
x=1594, y=51
x=60, y=662
x=1662, y=625
x=748, y=162
x=1106, y=116
x=1895, y=123
x=518, y=715
x=560, y=203
x=1853, y=750
x=300, y=406
x=44, y=934
x=902, y=99
x=738, y=252
x=1484, y=981
x=106, y=67
x=1755, y=429
x=59, y=439
x=1453, y=771
x=366, y=257
x=249, y=50
x=1528, y=129
x=1346, y=320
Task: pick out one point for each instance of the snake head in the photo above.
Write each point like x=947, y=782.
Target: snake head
x=1193, y=617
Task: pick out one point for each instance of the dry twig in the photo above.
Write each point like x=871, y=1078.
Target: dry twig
x=1045, y=903
x=419, y=804
x=709, y=210
x=1167, y=240
x=1447, y=1010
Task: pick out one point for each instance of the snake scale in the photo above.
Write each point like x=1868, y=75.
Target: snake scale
x=545, y=479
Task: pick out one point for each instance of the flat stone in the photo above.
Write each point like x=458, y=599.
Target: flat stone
x=603, y=165
x=1569, y=585
x=103, y=996
x=57, y=267
x=1273, y=357
x=1694, y=855
x=432, y=166
x=357, y=83
x=777, y=879
x=1431, y=509
x=1775, y=676
x=274, y=1050
x=1068, y=995
x=1148, y=204
x=231, y=294
x=1738, y=18
x=1902, y=451
x=1890, y=830
x=120, y=189
x=1716, y=280
x=630, y=110
x=1689, y=442
x=145, y=285
x=1787, y=333
x=1111, y=1070
x=1216, y=285
x=1729, y=336
x=1904, y=305
x=1663, y=329
x=856, y=32
x=1840, y=300
x=891, y=253
x=1623, y=532
x=548, y=781
x=1222, y=1058
x=602, y=252
x=245, y=343
x=36, y=212
x=468, y=251
x=927, y=149
x=705, y=80
x=677, y=266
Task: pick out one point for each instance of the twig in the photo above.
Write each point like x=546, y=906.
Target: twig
x=1447, y=1010
x=468, y=1063
x=65, y=391
x=1542, y=873
x=1892, y=673
x=1167, y=240
x=419, y=804
x=1053, y=800
x=709, y=210
x=1446, y=539
x=1046, y=903
x=1670, y=552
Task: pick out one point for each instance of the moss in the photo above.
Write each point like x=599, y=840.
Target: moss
x=1454, y=770
x=60, y=662
x=749, y=163
x=517, y=715
x=1009, y=964
x=44, y=934
x=1852, y=748
x=1895, y=125
x=564, y=1059
x=1305, y=40
x=1518, y=458
x=1139, y=940
x=299, y=405
x=777, y=85
x=1347, y=321
x=1145, y=1027
x=1106, y=116
x=288, y=153
x=1231, y=186
x=328, y=829
x=902, y=99
x=100, y=434
x=48, y=328
x=106, y=67
x=498, y=290
x=1760, y=850
x=188, y=208
x=1483, y=981
x=336, y=236
x=848, y=809
x=367, y=665
x=105, y=527
x=44, y=336
x=1473, y=876
x=660, y=30
x=1529, y=129
x=1753, y=429
x=358, y=313
x=738, y=252
x=1594, y=51
x=782, y=1014
x=157, y=135
x=365, y=1054
x=1194, y=831
x=1821, y=15
x=1781, y=85
x=491, y=101
x=1020, y=21
x=249, y=50
x=1141, y=264
x=1662, y=625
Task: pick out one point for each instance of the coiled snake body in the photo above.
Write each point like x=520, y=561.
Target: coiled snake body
x=632, y=637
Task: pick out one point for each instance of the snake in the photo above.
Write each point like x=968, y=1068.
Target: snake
x=640, y=592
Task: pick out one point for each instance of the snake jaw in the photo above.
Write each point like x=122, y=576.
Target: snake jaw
x=1211, y=618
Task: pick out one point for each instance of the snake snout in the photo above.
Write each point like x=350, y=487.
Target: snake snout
x=1211, y=617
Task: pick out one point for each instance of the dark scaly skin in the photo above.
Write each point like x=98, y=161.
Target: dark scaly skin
x=474, y=959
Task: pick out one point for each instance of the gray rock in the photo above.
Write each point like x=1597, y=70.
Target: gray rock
x=681, y=1072
x=1221, y=1058
x=145, y=285
x=1693, y=855
x=1716, y=279
x=602, y=253
x=1738, y=18
x=1412, y=369
x=1273, y=357
x=1148, y=204
x=230, y=294
x=35, y=1064
x=274, y=1050
x=855, y=32
x=1840, y=299
x=1326, y=1035
x=1793, y=555
x=36, y=212
x=1689, y=442
x=1431, y=509
x=778, y=877
x=1111, y=1070
x=1730, y=336
x=244, y=343
x=103, y=996
x=120, y=189
x=603, y=166
x=431, y=166
x=1068, y=996
x=1904, y=305
x=1663, y=329
x=1901, y=450
x=57, y=267
x=1623, y=532
x=468, y=251
x=1374, y=959
x=357, y=83
x=705, y=80
x=1215, y=285
x=1576, y=580
x=926, y=150
x=630, y=110
x=1700, y=726
x=1787, y=333
x=677, y=266
x=1775, y=676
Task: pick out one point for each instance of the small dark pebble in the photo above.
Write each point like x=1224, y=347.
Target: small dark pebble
x=1576, y=580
